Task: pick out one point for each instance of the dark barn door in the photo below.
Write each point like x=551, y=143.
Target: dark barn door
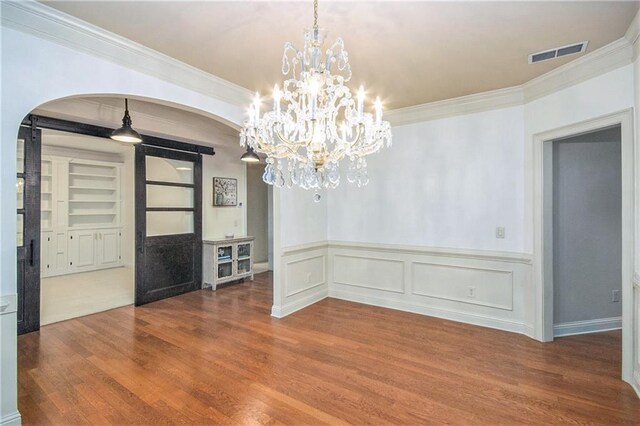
x=28, y=158
x=168, y=223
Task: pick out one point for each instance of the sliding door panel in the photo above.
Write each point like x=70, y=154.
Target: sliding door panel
x=28, y=158
x=168, y=223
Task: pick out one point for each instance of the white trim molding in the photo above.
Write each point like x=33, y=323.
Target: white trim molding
x=13, y=419
x=588, y=326
x=607, y=58
x=8, y=304
x=633, y=35
x=478, y=102
x=543, y=234
x=48, y=23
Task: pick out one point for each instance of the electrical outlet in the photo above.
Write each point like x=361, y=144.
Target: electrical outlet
x=309, y=278
x=471, y=292
x=615, y=296
x=235, y=222
x=500, y=232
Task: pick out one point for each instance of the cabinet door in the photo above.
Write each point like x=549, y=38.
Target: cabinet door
x=243, y=258
x=46, y=250
x=108, y=247
x=59, y=260
x=82, y=250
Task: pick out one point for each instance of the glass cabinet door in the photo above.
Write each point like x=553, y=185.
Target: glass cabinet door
x=244, y=266
x=224, y=253
x=225, y=270
x=244, y=250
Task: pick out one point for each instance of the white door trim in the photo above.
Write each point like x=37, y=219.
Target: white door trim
x=542, y=261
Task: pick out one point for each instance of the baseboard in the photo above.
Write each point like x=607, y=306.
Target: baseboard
x=13, y=419
x=589, y=326
x=635, y=382
x=289, y=308
x=464, y=317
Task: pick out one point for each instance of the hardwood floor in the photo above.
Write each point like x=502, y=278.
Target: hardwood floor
x=218, y=357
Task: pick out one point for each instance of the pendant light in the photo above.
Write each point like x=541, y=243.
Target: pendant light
x=126, y=133
x=250, y=156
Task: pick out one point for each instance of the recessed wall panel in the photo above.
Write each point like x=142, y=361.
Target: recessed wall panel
x=478, y=286
x=369, y=272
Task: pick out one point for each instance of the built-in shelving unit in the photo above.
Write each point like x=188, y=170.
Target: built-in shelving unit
x=81, y=227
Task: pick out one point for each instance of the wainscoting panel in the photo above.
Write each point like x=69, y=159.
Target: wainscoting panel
x=305, y=274
x=369, y=272
x=476, y=287
x=304, y=278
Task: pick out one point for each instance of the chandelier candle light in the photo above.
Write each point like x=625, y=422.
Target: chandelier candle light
x=315, y=121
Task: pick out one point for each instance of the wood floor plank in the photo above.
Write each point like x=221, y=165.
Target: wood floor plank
x=220, y=358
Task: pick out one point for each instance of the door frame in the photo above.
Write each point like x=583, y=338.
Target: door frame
x=543, y=231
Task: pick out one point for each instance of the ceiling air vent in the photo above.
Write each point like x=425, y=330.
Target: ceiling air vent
x=558, y=52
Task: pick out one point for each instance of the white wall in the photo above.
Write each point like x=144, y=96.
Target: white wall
x=443, y=183
x=220, y=221
x=300, y=257
x=587, y=231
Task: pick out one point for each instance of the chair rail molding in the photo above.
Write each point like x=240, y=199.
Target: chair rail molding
x=45, y=22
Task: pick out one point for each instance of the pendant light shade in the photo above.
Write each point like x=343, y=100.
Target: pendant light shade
x=250, y=156
x=126, y=133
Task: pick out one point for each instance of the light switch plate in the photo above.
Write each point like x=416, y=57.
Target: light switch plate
x=500, y=232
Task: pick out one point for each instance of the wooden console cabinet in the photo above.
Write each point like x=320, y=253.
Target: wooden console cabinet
x=226, y=261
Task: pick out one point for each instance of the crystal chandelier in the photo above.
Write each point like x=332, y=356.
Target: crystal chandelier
x=315, y=121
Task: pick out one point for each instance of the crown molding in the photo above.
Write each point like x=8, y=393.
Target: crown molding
x=495, y=99
x=600, y=61
x=614, y=55
x=45, y=22
x=633, y=35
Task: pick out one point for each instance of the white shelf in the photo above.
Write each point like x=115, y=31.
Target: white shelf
x=95, y=213
x=93, y=188
x=89, y=175
x=94, y=201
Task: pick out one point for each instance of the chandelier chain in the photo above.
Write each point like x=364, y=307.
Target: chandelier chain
x=315, y=15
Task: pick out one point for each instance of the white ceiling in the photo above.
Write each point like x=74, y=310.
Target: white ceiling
x=148, y=118
x=407, y=52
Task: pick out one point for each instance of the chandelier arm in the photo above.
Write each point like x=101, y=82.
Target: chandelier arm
x=279, y=151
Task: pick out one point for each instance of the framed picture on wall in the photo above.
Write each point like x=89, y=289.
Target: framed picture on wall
x=225, y=192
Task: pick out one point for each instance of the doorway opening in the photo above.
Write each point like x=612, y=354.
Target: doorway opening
x=586, y=209
x=260, y=217
x=86, y=236
x=543, y=235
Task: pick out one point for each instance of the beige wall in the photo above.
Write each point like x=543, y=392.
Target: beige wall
x=257, y=220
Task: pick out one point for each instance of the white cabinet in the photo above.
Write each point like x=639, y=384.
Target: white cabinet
x=81, y=228
x=91, y=250
x=108, y=252
x=226, y=261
